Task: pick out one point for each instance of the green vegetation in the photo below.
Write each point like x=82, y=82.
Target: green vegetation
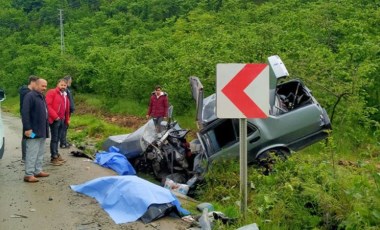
x=118, y=50
x=90, y=127
x=11, y=104
x=311, y=190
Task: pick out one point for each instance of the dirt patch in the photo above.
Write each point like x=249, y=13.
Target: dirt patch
x=130, y=121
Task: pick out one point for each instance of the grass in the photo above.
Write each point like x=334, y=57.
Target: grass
x=84, y=128
x=11, y=105
x=308, y=191
x=112, y=105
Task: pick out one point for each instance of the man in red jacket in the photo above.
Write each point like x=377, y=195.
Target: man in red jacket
x=158, y=107
x=58, y=105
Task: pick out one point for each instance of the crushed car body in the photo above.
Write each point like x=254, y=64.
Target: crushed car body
x=296, y=120
x=162, y=153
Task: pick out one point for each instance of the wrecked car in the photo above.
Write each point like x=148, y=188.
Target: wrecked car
x=296, y=120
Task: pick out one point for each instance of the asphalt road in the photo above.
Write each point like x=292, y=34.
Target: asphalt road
x=50, y=203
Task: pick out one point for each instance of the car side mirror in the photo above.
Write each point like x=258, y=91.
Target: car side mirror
x=2, y=95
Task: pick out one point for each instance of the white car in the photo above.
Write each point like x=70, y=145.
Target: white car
x=2, y=138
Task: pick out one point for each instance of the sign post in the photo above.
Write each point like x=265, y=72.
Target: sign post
x=243, y=167
x=242, y=92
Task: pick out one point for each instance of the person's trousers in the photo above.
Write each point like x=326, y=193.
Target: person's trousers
x=63, y=139
x=56, y=132
x=23, y=146
x=35, y=151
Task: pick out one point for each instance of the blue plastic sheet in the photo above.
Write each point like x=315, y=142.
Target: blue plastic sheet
x=115, y=161
x=127, y=198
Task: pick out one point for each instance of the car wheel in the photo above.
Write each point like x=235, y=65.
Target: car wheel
x=267, y=159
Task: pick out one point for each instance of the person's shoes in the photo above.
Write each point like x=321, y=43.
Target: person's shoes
x=61, y=159
x=30, y=179
x=65, y=146
x=55, y=162
x=42, y=174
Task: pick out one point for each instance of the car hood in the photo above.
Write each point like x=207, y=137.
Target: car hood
x=206, y=107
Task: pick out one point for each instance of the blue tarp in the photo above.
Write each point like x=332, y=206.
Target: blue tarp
x=115, y=161
x=127, y=198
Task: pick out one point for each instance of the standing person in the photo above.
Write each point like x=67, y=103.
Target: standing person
x=63, y=140
x=36, y=130
x=59, y=115
x=158, y=107
x=23, y=91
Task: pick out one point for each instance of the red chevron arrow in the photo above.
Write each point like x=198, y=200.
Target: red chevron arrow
x=234, y=90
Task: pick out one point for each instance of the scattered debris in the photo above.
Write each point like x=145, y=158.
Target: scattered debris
x=249, y=227
x=88, y=223
x=18, y=216
x=184, y=197
x=202, y=206
x=347, y=163
x=226, y=198
x=253, y=185
x=225, y=219
x=188, y=219
x=81, y=154
x=204, y=220
x=154, y=225
x=173, y=186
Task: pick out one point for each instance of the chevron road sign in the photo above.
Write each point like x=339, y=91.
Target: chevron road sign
x=242, y=91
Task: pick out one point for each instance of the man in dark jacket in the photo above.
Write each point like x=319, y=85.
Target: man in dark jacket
x=158, y=107
x=23, y=91
x=36, y=130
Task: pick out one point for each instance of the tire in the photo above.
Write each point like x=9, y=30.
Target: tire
x=268, y=159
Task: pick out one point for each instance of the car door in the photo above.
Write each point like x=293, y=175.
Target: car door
x=221, y=138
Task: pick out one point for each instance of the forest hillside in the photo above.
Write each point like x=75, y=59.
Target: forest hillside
x=118, y=50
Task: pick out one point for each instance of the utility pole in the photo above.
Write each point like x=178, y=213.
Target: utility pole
x=62, y=33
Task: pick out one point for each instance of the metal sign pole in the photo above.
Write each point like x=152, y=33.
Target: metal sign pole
x=243, y=167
